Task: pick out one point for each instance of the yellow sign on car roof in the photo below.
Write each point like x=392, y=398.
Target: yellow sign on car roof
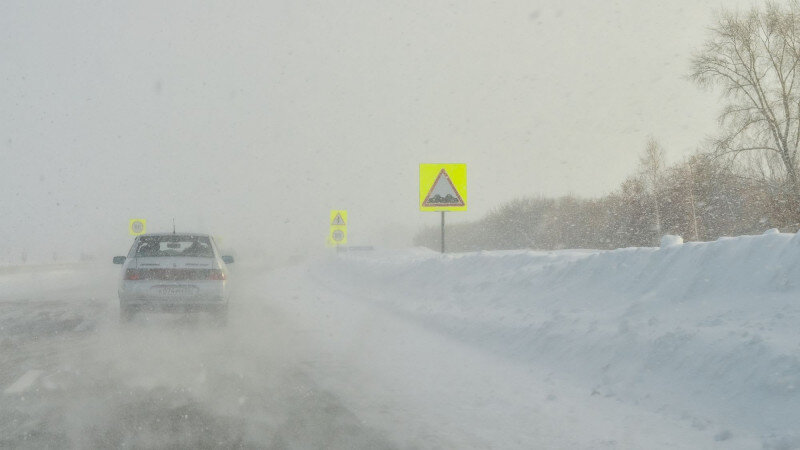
x=443, y=187
x=137, y=226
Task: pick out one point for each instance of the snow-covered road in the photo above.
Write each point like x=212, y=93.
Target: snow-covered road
x=691, y=346
x=72, y=377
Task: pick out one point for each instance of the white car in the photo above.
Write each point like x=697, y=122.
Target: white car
x=174, y=273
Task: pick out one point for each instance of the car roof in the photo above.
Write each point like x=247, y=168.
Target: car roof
x=173, y=234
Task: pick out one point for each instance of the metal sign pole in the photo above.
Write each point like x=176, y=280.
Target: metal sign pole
x=442, y=231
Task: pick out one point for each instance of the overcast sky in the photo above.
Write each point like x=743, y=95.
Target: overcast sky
x=251, y=120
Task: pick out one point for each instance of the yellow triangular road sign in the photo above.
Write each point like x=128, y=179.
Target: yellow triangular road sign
x=443, y=187
x=338, y=220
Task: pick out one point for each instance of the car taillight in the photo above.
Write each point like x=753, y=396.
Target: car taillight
x=132, y=274
x=216, y=274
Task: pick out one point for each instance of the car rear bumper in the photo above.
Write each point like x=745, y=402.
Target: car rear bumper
x=174, y=307
x=173, y=296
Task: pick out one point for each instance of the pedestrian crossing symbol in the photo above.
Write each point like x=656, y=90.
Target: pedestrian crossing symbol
x=443, y=187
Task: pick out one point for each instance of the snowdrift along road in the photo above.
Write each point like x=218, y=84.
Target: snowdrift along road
x=703, y=333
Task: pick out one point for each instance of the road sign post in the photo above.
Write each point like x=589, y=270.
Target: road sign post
x=442, y=231
x=443, y=187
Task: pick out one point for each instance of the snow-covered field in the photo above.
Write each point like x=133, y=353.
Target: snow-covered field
x=690, y=345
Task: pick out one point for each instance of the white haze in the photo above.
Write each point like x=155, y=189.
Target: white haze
x=251, y=120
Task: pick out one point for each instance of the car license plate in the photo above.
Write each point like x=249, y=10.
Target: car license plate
x=176, y=291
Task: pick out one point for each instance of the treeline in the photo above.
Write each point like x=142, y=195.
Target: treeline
x=699, y=199
x=746, y=181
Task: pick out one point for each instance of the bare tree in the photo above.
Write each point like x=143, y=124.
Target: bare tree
x=651, y=166
x=755, y=59
x=689, y=171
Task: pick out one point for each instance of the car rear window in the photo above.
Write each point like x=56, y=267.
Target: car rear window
x=199, y=246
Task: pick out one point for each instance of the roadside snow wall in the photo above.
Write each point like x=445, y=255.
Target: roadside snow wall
x=702, y=332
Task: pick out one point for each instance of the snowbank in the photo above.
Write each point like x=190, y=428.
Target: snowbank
x=670, y=240
x=704, y=333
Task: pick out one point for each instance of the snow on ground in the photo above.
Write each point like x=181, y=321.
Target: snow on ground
x=72, y=377
x=702, y=335
x=690, y=345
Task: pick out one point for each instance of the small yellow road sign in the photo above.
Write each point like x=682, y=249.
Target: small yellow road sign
x=337, y=236
x=137, y=226
x=443, y=187
x=338, y=232
x=339, y=217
